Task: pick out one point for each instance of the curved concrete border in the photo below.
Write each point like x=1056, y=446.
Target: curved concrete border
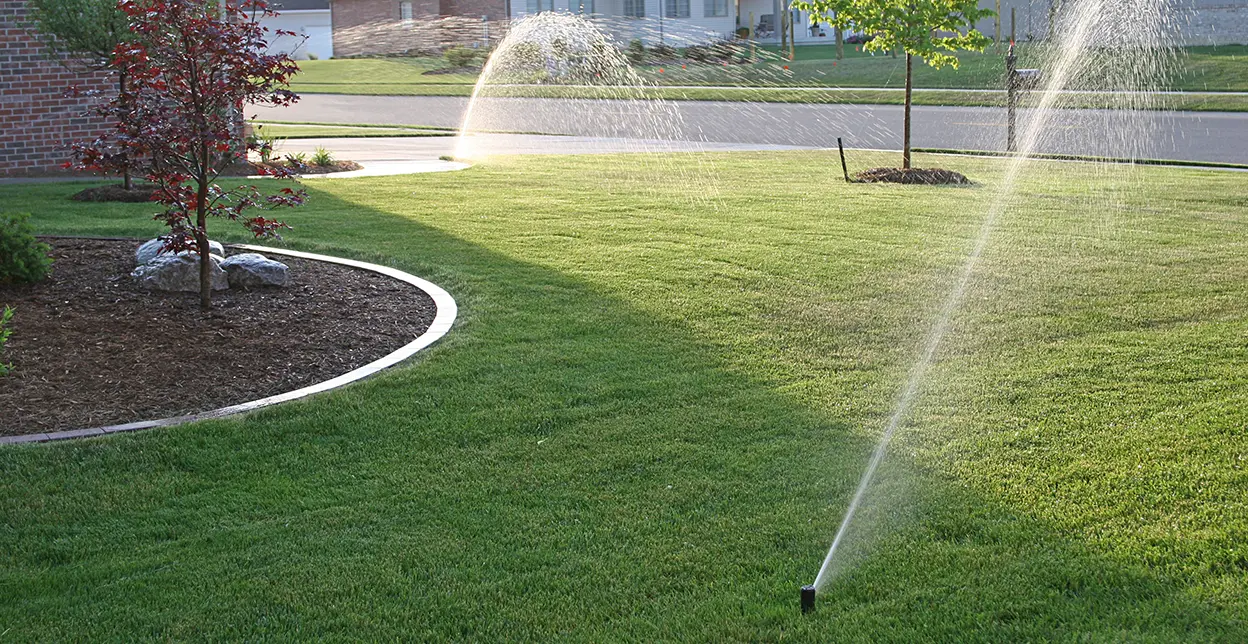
x=442, y=321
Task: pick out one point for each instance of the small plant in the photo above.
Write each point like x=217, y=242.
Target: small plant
x=460, y=56
x=636, y=51
x=297, y=159
x=312, y=56
x=263, y=144
x=5, y=318
x=23, y=258
x=322, y=158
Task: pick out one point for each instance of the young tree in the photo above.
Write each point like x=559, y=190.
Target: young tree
x=931, y=29
x=82, y=34
x=193, y=65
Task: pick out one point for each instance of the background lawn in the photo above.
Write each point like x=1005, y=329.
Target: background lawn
x=665, y=381
x=1210, y=72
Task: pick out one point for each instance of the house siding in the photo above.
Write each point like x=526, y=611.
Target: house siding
x=38, y=120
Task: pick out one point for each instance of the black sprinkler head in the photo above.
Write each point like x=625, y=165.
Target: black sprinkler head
x=808, y=598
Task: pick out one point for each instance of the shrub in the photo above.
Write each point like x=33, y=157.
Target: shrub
x=297, y=159
x=22, y=257
x=322, y=157
x=262, y=143
x=312, y=56
x=5, y=318
x=698, y=53
x=664, y=52
x=636, y=52
x=460, y=56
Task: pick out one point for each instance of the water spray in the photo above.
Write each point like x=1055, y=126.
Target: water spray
x=1127, y=25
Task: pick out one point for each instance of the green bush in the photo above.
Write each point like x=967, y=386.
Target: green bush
x=636, y=52
x=322, y=157
x=22, y=257
x=460, y=56
x=5, y=317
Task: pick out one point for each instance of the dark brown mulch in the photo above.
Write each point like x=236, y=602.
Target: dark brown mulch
x=925, y=176
x=89, y=348
x=136, y=194
x=308, y=168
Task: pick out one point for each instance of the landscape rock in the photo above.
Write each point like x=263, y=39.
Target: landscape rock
x=248, y=270
x=151, y=249
x=178, y=273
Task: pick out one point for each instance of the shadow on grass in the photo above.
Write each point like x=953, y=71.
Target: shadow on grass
x=563, y=465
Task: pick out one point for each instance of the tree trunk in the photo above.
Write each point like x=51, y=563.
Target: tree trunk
x=840, y=44
x=126, y=181
x=905, y=132
x=201, y=233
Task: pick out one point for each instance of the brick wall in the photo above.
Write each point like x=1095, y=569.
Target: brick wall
x=37, y=120
x=492, y=9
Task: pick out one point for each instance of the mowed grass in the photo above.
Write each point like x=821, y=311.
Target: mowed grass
x=667, y=376
x=312, y=131
x=861, y=78
x=1201, y=69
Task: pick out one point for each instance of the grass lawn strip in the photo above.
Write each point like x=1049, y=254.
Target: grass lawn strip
x=1211, y=102
x=667, y=377
x=345, y=131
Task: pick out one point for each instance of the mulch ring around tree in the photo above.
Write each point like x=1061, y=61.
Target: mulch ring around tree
x=142, y=192
x=138, y=193
x=90, y=348
x=925, y=176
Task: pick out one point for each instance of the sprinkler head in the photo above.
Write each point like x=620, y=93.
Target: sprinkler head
x=808, y=598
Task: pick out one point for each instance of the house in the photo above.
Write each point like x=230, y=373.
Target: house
x=682, y=22
x=373, y=27
x=310, y=19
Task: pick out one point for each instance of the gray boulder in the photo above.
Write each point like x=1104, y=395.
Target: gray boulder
x=151, y=249
x=178, y=273
x=248, y=270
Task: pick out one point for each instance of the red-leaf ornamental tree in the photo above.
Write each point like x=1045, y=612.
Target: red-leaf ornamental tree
x=192, y=66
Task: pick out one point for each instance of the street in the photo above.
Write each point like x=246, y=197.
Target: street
x=1189, y=136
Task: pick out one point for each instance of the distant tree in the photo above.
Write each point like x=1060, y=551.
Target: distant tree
x=930, y=29
x=193, y=65
x=82, y=34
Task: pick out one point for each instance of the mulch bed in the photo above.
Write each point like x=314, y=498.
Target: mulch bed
x=925, y=176
x=90, y=348
x=308, y=168
x=138, y=193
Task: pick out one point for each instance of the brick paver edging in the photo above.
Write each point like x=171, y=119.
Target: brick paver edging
x=442, y=321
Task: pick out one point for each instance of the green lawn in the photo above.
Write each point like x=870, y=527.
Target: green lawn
x=1208, y=70
x=316, y=131
x=667, y=376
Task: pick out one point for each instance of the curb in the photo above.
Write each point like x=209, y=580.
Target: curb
x=447, y=310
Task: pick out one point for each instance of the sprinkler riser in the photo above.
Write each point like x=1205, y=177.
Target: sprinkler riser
x=808, y=598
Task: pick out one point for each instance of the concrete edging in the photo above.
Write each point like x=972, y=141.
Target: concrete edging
x=447, y=310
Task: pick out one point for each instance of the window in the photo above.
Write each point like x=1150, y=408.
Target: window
x=635, y=8
x=716, y=8
x=676, y=8
x=538, y=6
x=405, y=12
